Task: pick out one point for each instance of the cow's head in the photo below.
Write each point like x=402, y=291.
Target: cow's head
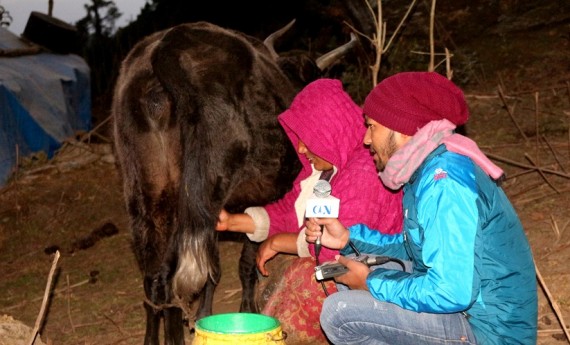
x=300, y=67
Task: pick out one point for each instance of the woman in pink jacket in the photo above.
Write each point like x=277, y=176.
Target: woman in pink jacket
x=326, y=127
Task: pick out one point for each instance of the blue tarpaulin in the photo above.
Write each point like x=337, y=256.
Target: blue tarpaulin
x=45, y=98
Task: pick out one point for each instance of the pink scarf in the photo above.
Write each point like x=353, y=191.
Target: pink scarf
x=409, y=157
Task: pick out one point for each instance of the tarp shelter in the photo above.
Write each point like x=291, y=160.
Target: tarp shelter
x=45, y=98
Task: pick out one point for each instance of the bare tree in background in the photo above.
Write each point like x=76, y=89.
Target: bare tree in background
x=100, y=19
x=97, y=29
x=378, y=39
x=381, y=45
x=5, y=18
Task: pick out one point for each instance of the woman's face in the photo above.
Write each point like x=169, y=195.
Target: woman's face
x=318, y=163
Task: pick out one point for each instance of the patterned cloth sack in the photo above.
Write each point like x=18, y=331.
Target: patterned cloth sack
x=292, y=295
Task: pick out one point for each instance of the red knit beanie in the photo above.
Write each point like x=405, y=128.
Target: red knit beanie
x=405, y=102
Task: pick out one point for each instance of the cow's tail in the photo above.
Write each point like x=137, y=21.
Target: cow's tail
x=198, y=258
x=199, y=205
x=195, y=242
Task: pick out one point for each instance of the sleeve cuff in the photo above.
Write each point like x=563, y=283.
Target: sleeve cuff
x=302, y=245
x=347, y=250
x=260, y=221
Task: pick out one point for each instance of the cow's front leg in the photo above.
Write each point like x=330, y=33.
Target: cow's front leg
x=248, y=276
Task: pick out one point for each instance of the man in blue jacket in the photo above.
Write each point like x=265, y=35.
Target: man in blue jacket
x=472, y=279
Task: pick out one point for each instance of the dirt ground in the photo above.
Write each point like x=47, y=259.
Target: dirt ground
x=520, y=115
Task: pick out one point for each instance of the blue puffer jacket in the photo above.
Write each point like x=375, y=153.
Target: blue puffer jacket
x=468, y=248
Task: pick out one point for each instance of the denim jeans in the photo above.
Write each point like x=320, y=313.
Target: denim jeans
x=355, y=317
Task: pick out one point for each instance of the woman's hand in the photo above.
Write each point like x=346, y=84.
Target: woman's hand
x=334, y=234
x=357, y=273
x=264, y=254
x=223, y=221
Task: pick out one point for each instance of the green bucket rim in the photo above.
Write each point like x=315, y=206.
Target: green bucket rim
x=237, y=323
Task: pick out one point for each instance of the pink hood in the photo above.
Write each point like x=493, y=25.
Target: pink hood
x=332, y=126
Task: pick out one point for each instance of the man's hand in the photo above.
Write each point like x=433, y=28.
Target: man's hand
x=356, y=276
x=334, y=235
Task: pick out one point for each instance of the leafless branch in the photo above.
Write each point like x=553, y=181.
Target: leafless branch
x=526, y=166
x=41, y=315
x=554, y=154
x=379, y=38
x=536, y=129
x=552, y=302
x=431, y=66
x=510, y=111
x=541, y=173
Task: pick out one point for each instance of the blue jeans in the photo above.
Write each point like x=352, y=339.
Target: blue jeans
x=355, y=317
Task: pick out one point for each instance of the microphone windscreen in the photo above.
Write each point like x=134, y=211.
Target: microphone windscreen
x=322, y=189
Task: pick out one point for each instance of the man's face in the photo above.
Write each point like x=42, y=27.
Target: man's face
x=381, y=141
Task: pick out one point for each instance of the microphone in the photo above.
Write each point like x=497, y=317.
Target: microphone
x=322, y=205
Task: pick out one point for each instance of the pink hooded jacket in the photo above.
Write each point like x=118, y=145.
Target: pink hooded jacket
x=331, y=125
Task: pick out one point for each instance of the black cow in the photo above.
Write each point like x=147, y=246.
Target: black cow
x=195, y=130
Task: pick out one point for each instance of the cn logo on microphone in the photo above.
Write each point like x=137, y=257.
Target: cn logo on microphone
x=322, y=210
x=322, y=207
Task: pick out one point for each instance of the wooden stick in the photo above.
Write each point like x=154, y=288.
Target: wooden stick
x=398, y=28
x=526, y=92
x=431, y=67
x=554, y=154
x=541, y=173
x=548, y=332
x=87, y=136
x=568, y=88
x=564, y=228
x=554, y=227
x=557, y=249
x=67, y=288
x=448, y=64
x=475, y=96
x=119, y=328
x=552, y=302
x=524, y=172
x=526, y=166
x=69, y=305
x=509, y=145
x=41, y=315
x=513, y=95
x=522, y=202
x=536, y=130
x=527, y=189
x=510, y=111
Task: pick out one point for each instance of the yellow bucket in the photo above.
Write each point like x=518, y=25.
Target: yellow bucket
x=238, y=328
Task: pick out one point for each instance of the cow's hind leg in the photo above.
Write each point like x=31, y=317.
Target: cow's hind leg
x=152, y=315
x=173, y=316
x=207, y=293
x=248, y=276
x=150, y=234
x=206, y=300
x=173, y=326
